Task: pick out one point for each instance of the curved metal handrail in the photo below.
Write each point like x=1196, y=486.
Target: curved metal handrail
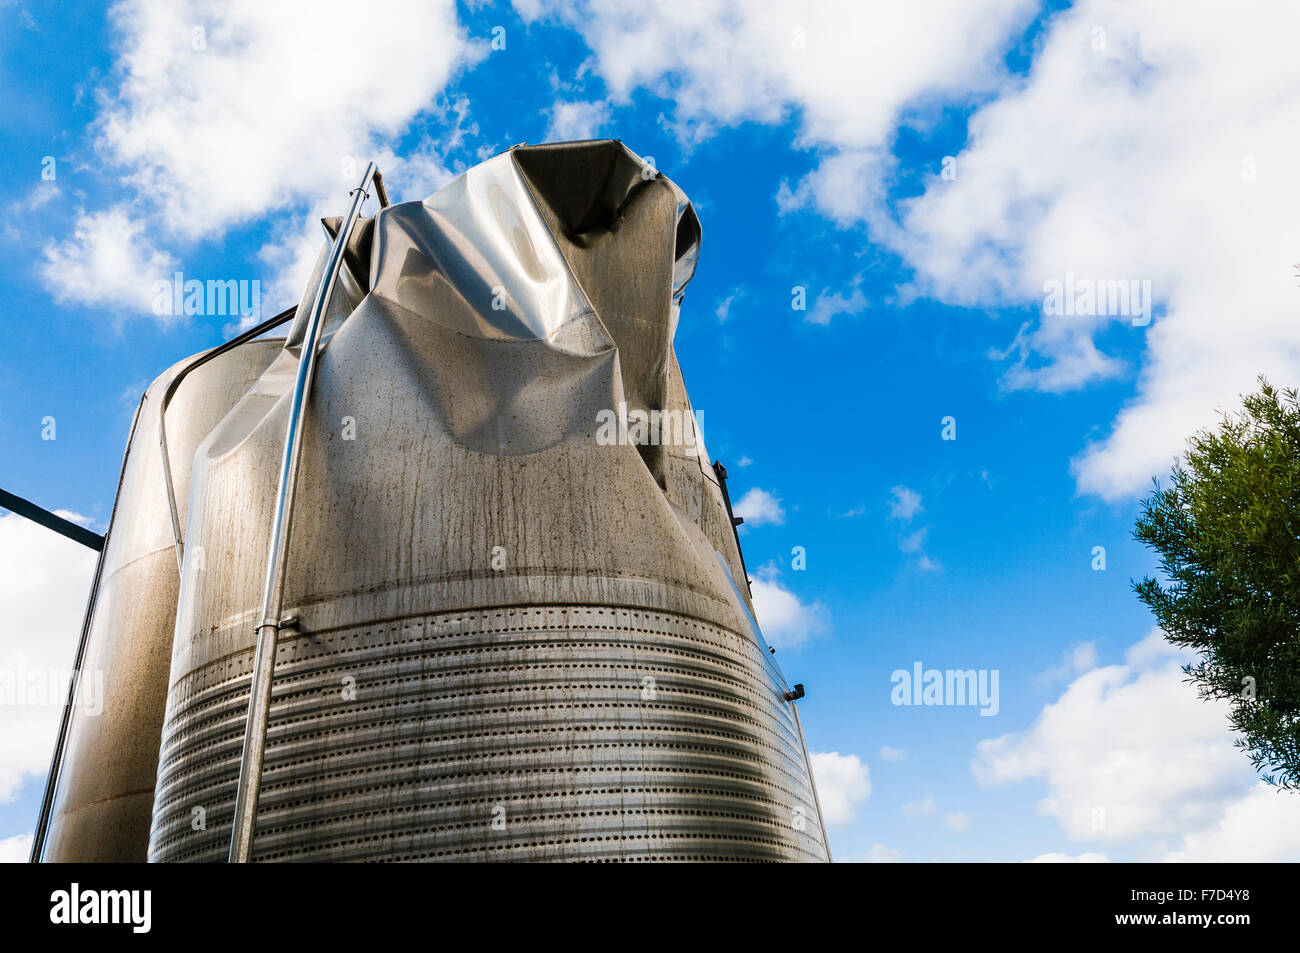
x=250, y=334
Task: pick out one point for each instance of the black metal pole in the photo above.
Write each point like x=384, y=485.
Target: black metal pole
x=38, y=514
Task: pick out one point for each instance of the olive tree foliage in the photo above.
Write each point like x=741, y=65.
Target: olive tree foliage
x=1227, y=533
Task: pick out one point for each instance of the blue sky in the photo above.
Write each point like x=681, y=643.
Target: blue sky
x=815, y=167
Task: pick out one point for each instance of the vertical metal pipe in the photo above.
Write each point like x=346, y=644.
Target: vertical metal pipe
x=812, y=782
x=268, y=629
x=74, y=687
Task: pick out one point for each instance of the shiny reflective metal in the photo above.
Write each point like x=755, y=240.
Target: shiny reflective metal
x=812, y=783
x=518, y=633
x=74, y=684
x=515, y=640
x=100, y=787
x=250, y=766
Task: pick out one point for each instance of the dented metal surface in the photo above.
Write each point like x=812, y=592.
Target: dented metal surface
x=513, y=637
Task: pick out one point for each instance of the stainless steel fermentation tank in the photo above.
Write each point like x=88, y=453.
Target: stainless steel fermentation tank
x=503, y=635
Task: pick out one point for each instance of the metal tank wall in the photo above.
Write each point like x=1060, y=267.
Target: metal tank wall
x=104, y=799
x=513, y=641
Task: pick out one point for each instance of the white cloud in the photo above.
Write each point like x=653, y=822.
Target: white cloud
x=218, y=128
x=108, y=262
x=1082, y=656
x=576, y=120
x=905, y=504
x=892, y=754
x=786, y=620
x=758, y=507
x=1140, y=170
x=1085, y=858
x=1126, y=751
x=903, y=507
x=254, y=120
x=880, y=854
x=831, y=305
x=843, y=782
x=912, y=542
x=844, y=187
x=40, y=195
x=1130, y=754
x=846, y=69
x=1078, y=658
x=16, y=850
x=44, y=582
x=957, y=822
x=1263, y=825
x=920, y=808
x=723, y=311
